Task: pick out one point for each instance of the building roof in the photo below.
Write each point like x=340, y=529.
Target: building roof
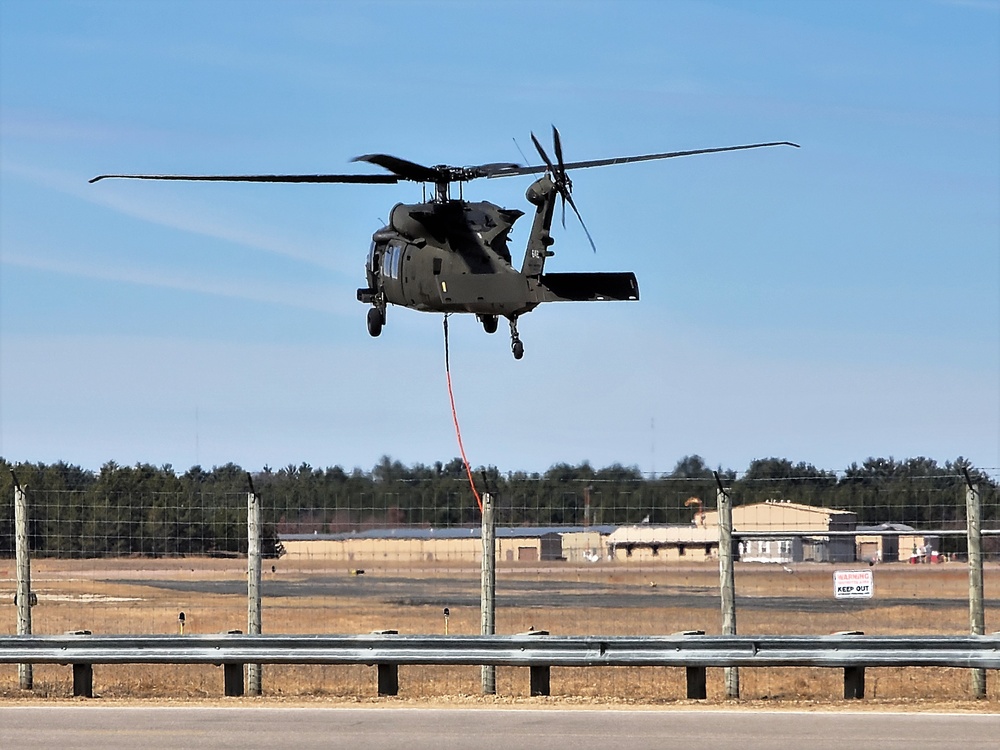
x=800, y=506
x=453, y=532
x=671, y=534
x=888, y=526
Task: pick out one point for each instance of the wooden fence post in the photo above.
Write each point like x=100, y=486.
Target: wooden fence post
x=488, y=595
x=23, y=562
x=253, y=581
x=727, y=580
x=977, y=620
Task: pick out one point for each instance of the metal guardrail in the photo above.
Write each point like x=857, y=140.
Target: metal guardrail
x=538, y=651
x=977, y=652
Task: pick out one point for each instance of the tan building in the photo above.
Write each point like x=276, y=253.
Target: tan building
x=877, y=548
x=676, y=543
x=902, y=544
x=513, y=544
x=777, y=516
x=583, y=546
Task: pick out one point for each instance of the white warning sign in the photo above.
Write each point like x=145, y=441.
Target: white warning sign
x=853, y=584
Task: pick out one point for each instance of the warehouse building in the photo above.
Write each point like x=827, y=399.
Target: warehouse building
x=671, y=543
x=902, y=544
x=459, y=544
x=773, y=517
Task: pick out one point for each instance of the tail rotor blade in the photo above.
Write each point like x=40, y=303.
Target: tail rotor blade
x=567, y=198
x=557, y=145
x=541, y=152
x=565, y=185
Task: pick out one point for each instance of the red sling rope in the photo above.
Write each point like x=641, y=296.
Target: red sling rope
x=454, y=417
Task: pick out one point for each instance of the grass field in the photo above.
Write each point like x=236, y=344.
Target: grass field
x=147, y=595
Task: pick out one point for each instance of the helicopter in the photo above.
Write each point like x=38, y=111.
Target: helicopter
x=448, y=255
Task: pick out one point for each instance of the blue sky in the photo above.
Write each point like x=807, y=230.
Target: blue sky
x=824, y=304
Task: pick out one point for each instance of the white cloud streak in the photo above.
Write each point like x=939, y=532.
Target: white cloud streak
x=170, y=213
x=318, y=298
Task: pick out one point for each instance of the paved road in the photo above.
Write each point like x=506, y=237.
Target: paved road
x=244, y=728
x=443, y=591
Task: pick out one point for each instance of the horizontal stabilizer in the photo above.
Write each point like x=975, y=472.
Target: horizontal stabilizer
x=588, y=287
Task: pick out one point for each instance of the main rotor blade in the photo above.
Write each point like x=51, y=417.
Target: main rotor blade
x=383, y=179
x=645, y=157
x=488, y=170
x=408, y=170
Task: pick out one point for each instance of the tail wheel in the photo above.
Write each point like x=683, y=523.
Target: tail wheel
x=490, y=323
x=375, y=321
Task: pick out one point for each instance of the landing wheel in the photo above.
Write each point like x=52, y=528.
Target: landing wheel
x=516, y=347
x=490, y=323
x=375, y=321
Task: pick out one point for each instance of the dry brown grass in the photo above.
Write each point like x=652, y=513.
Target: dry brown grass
x=112, y=596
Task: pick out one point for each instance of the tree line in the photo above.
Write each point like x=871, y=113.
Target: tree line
x=148, y=510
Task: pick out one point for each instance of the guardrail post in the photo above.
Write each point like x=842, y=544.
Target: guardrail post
x=854, y=677
x=854, y=683
x=489, y=582
x=23, y=558
x=540, y=684
x=539, y=675
x=253, y=581
x=83, y=680
x=388, y=674
x=388, y=679
x=977, y=620
x=727, y=581
x=697, y=683
x=697, y=678
x=83, y=674
x=232, y=675
x=233, y=680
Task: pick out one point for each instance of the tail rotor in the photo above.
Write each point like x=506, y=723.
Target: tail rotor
x=561, y=180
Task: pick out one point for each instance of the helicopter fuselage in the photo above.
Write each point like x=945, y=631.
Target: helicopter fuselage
x=452, y=256
x=448, y=257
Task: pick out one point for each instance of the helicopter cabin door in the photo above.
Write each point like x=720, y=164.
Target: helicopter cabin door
x=410, y=275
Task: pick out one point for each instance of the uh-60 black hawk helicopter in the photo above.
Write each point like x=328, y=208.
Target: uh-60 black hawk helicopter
x=450, y=255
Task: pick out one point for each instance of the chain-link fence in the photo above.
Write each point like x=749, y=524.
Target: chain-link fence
x=621, y=555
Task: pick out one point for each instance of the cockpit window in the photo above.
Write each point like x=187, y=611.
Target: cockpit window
x=391, y=258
